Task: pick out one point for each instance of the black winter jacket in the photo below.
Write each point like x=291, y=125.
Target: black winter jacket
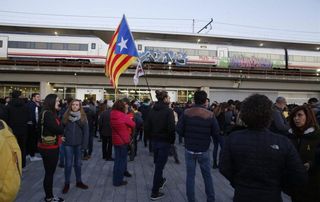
x=18, y=117
x=160, y=124
x=198, y=125
x=104, y=124
x=259, y=164
x=50, y=125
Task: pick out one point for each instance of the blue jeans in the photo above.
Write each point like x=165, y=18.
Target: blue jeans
x=218, y=140
x=72, y=153
x=204, y=162
x=61, y=155
x=120, y=163
x=161, y=153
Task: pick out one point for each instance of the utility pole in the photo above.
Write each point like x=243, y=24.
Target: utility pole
x=192, y=25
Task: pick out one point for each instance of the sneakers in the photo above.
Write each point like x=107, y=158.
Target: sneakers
x=121, y=184
x=163, y=182
x=127, y=174
x=81, y=185
x=65, y=188
x=35, y=158
x=54, y=199
x=156, y=196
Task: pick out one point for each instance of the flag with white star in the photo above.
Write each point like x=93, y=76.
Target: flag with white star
x=122, y=52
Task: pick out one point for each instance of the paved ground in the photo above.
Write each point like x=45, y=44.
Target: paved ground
x=97, y=173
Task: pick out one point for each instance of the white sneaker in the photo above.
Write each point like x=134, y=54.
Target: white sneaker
x=35, y=158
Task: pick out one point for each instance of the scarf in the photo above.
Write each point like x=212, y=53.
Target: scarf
x=74, y=116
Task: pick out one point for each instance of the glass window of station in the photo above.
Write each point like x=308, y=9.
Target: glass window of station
x=26, y=90
x=65, y=92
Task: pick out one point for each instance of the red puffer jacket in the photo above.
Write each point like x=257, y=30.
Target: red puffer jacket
x=121, y=125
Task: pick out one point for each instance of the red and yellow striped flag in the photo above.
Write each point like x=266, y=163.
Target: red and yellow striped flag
x=122, y=52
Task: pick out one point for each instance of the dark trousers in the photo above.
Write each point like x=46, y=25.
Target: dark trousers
x=161, y=153
x=22, y=142
x=50, y=159
x=106, y=147
x=90, y=143
x=32, y=141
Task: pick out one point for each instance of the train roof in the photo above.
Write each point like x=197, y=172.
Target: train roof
x=106, y=33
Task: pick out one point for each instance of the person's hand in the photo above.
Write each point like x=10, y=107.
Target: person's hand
x=307, y=166
x=63, y=139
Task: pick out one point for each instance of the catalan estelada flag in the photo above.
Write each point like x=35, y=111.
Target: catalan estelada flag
x=121, y=54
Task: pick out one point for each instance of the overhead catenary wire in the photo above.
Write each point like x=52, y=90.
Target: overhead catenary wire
x=178, y=24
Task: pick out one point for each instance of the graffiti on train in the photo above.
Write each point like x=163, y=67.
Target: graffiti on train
x=181, y=59
x=156, y=56
x=250, y=62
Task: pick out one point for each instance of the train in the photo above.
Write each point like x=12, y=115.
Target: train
x=91, y=49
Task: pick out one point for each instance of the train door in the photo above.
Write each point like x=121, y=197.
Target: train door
x=222, y=52
x=3, y=47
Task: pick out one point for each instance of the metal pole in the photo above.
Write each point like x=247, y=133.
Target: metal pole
x=192, y=25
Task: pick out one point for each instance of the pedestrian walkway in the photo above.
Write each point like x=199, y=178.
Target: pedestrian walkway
x=97, y=173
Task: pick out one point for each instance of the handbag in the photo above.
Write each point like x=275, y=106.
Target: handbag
x=47, y=140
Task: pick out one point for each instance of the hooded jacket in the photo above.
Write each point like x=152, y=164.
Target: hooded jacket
x=160, y=125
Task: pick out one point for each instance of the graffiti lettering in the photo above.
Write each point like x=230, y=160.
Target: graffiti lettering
x=249, y=62
x=176, y=58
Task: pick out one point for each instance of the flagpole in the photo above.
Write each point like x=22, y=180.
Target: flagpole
x=146, y=78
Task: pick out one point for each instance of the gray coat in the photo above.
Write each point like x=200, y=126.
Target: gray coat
x=76, y=133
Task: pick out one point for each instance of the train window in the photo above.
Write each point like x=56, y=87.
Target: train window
x=189, y=51
x=203, y=53
x=41, y=45
x=57, y=46
x=310, y=59
x=83, y=47
x=21, y=44
x=213, y=53
x=291, y=58
x=93, y=46
x=1, y=42
x=73, y=46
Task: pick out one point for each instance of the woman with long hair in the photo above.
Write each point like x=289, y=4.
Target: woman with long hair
x=51, y=131
x=122, y=126
x=160, y=125
x=75, y=138
x=305, y=135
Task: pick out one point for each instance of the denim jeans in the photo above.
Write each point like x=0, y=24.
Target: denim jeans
x=161, y=153
x=120, y=163
x=72, y=153
x=61, y=155
x=218, y=140
x=204, y=161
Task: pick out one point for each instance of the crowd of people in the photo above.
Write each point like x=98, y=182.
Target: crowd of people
x=265, y=148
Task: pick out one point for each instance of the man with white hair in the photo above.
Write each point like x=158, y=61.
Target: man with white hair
x=279, y=123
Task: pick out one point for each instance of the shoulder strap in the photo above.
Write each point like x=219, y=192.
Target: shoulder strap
x=42, y=122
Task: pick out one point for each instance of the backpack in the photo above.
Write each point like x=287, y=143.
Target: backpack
x=10, y=166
